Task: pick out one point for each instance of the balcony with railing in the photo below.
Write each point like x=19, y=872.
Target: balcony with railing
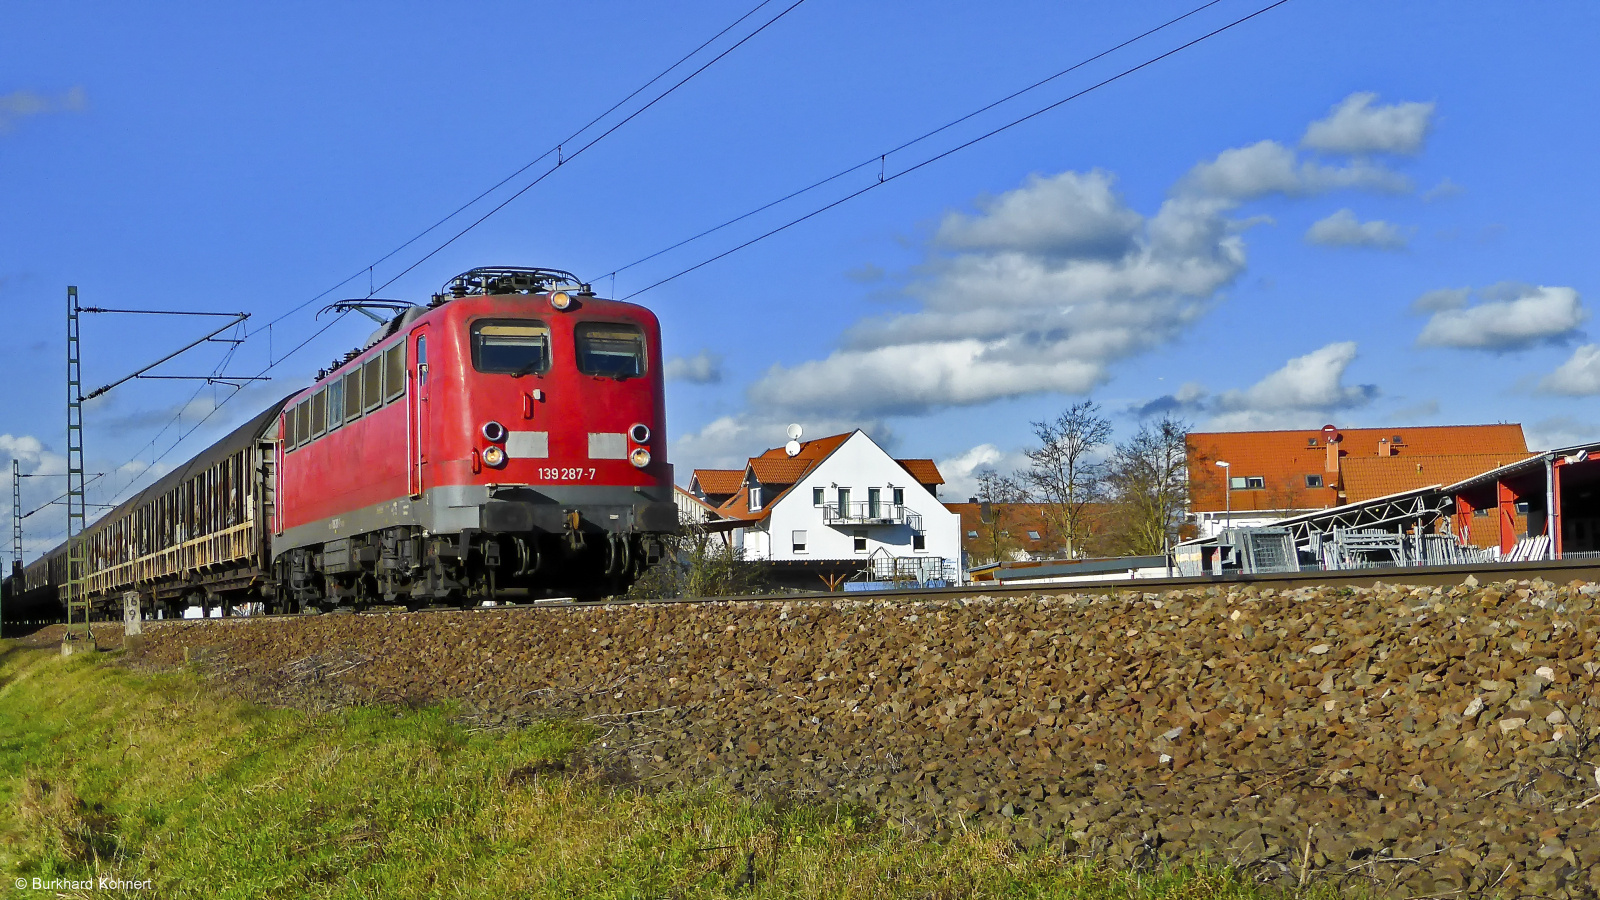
x=869, y=512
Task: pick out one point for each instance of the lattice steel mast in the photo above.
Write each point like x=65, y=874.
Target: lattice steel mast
x=77, y=519
x=16, y=515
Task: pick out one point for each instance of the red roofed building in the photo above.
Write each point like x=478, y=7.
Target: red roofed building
x=1274, y=474
x=839, y=498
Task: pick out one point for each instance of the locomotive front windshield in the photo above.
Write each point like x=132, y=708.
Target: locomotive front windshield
x=610, y=349
x=515, y=346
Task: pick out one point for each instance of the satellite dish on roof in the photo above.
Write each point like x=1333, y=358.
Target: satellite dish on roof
x=792, y=448
x=794, y=432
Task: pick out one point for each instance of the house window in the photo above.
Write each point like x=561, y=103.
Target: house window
x=1522, y=508
x=861, y=541
x=1248, y=483
x=1238, y=484
x=1481, y=513
x=755, y=498
x=1311, y=442
x=919, y=542
x=874, y=501
x=1313, y=481
x=972, y=534
x=899, y=496
x=817, y=498
x=1033, y=535
x=799, y=542
x=844, y=503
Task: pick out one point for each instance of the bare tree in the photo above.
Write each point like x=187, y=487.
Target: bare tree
x=698, y=563
x=997, y=495
x=1150, y=482
x=1286, y=496
x=1066, y=472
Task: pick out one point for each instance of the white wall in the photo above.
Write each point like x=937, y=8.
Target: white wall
x=857, y=464
x=1211, y=524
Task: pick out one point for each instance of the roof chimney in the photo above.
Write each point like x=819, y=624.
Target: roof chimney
x=1385, y=448
x=1332, y=438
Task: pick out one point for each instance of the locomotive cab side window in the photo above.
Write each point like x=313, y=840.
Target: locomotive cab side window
x=319, y=414
x=372, y=383
x=611, y=349
x=394, y=372
x=352, y=395
x=335, y=403
x=511, y=346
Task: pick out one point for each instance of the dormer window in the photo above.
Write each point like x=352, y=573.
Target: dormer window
x=755, y=498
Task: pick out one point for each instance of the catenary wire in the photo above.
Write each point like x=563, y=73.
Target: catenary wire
x=962, y=146
x=546, y=154
x=880, y=158
x=602, y=136
x=556, y=149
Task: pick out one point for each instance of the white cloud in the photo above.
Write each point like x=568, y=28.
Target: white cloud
x=1300, y=394
x=1579, y=376
x=1343, y=229
x=24, y=448
x=1445, y=188
x=19, y=105
x=729, y=441
x=704, y=367
x=1561, y=431
x=1355, y=126
x=1268, y=167
x=1055, y=281
x=1532, y=315
x=1067, y=214
x=962, y=470
x=1443, y=298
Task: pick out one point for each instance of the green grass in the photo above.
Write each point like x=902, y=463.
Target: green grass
x=104, y=773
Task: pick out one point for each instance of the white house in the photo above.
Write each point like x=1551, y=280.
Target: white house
x=839, y=500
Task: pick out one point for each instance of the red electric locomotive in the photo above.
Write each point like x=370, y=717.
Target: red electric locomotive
x=505, y=440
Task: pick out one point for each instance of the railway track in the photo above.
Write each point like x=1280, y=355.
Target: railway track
x=1559, y=571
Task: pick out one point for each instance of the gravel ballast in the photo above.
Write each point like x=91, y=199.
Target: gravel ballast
x=1415, y=741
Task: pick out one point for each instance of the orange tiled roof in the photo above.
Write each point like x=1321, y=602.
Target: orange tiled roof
x=718, y=481
x=817, y=448
x=776, y=468
x=1283, y=460
x=738, y=507
x=923, y=470
x=783, y=470
x=1366, y=477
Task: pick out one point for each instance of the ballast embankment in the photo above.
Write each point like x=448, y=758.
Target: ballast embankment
x=1416, y=742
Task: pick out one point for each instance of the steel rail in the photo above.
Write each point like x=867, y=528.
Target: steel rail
x=1560, y=571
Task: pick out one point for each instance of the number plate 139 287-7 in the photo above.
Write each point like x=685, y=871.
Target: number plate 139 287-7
x=573, y=474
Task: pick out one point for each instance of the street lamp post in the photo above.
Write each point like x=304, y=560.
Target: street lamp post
x=1227, y=487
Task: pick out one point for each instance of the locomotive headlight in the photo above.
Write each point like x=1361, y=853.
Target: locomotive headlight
x=640, y=433
x=494, y=456
x=493, y=431
x=640, y=457
x=561, y=300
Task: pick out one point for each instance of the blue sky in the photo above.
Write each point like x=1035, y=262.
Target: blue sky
x=1360, y=213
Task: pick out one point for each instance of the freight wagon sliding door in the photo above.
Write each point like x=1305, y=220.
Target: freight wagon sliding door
x=420, y=475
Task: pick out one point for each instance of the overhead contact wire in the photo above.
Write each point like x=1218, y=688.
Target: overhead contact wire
x=555, y=149
x=882, y=157
x=959, y=147
x=602, y=136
